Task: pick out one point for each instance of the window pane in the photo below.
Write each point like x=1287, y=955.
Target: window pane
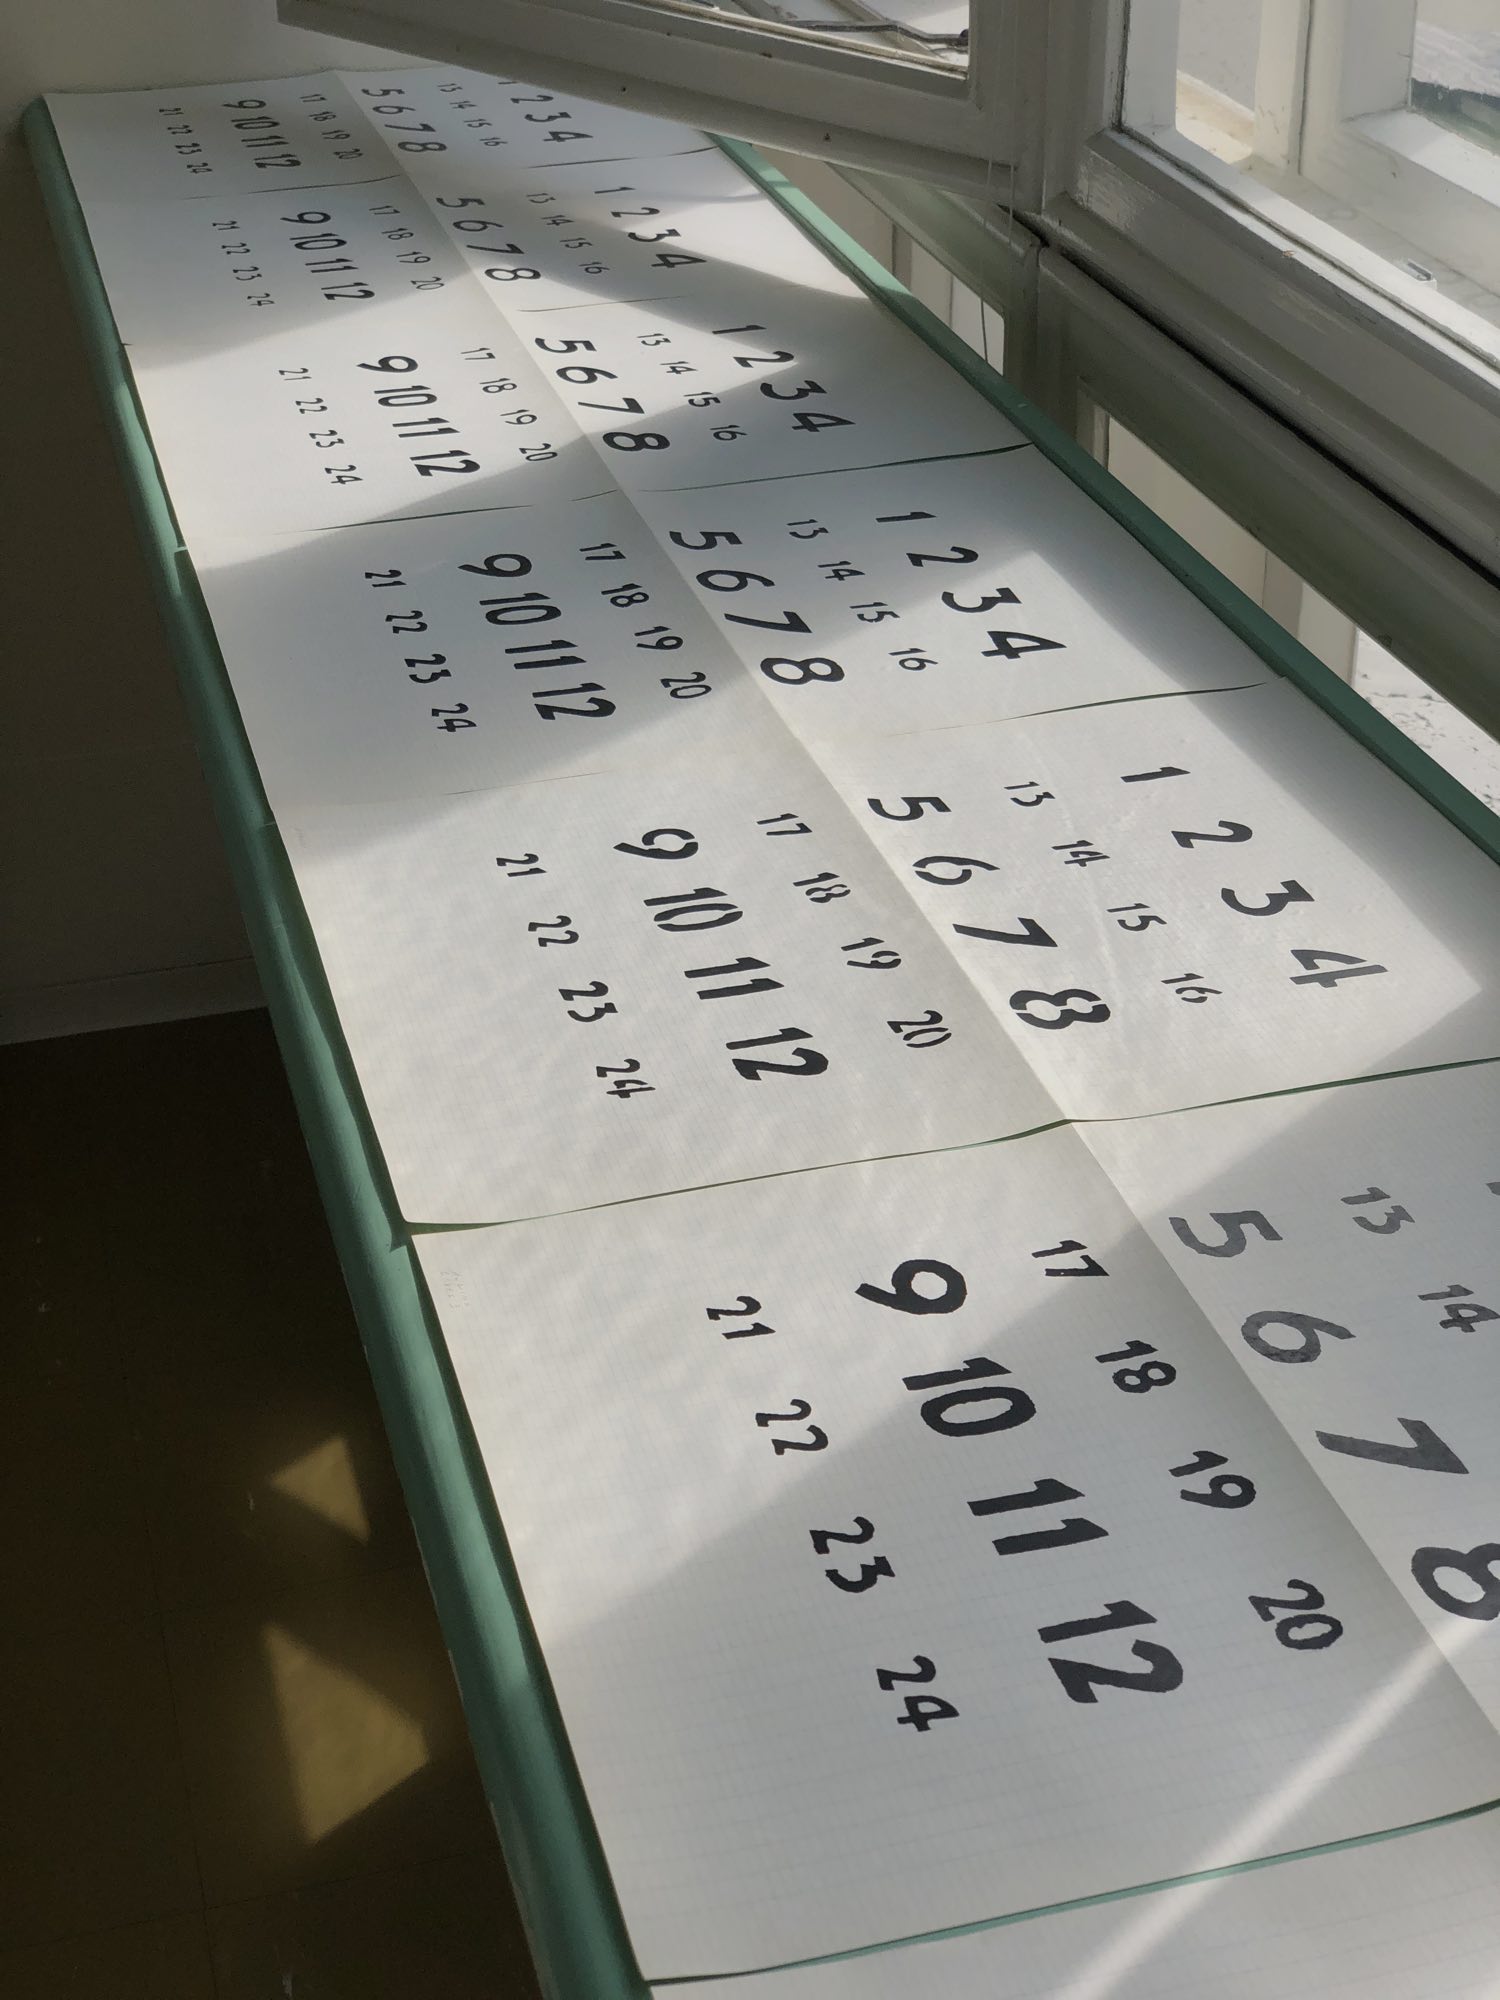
x=1456, y=68
x=1463, y=749
x=1218, y=45
x=981, y=325
x=1232, y=550
x=838, y=200
x=923, y=274
x=1435, y=725
x=926, y=31
x=1369, y=128
x=888, y=86
x=933, y=17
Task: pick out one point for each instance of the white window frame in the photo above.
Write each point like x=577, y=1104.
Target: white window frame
x=1322, y=337
x=1331, y=116
x=1316, y=549
x=1323, y=333
x=1335, y=553
x=1322, y=525
x=1361, y=141
x=751, y=78
x=1322, y=554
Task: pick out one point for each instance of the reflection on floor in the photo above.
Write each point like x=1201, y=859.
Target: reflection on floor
x=233, y=1759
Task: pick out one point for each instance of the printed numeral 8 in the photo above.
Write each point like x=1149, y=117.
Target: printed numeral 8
x=806, y=671
x=1477, y=1564
x=1023, y=1001
x=1150, y=1375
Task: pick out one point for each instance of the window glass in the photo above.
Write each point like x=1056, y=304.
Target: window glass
x=934, y=30
x=1370, y=128
x=1463, y=749
x=1444, y=732
x=1455, y=78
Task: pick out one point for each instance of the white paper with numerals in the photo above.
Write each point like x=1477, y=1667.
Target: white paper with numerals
x=241, y=267
x=426, y=407
x=1414, y=1918
x=960, y=590
x=440, y=121
x=754, y=382
x=568, y=235
x=1169, y=902
x=735, y=1007
x=1004, y=1455
x=1354, y=1273
x=588, y=987
x=471, y=650
x=213, y=138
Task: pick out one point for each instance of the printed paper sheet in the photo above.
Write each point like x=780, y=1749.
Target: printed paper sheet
x=605, y=987
x=569, y=235
x=1171, y=902
x=453, y=654
x=906, y=1551
x=440, y=119
x=1346, y=1246
x=238, y=267
x=429, y=407
x=215, y=138
x=960, y=590
x=721, y=386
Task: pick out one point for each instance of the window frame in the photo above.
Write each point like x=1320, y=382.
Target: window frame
x=1414, y=596
x=1324, y=334
x=1083, y=354
x=1332, y=123
x=743, y=74
x=1398, y=402
x=1360, y=138
x=1287, y=309
x=1401, y=554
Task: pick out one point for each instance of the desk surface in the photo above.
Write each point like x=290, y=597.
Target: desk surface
x=562, y=1879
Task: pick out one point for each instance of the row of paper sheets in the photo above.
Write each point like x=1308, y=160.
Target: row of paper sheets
x=778, y=677
x=928, y=1541
x=331, y=130
x=765, y=821
x=594, y=988
x=471, y=329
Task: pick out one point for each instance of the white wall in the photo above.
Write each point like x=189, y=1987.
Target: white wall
x=115, y=902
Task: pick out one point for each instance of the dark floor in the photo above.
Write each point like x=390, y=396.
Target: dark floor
x=232, y=1760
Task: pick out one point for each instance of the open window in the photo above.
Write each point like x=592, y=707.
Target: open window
x=920, y=87
x=1304, y=195
x=1372, y=121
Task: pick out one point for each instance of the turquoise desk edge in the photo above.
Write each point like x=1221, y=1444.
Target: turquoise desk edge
x=562, y=1885
x=555, y=1859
